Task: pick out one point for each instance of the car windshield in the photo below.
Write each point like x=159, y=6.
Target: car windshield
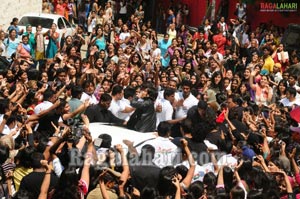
x=34, y=21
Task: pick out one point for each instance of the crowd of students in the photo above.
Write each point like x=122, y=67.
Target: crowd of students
x=224, y=102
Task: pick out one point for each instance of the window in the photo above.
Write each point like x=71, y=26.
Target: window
x=35, y=21
x=67, y=23
x=60, y=24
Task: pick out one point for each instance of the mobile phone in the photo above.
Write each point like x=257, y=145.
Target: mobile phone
x=98, y=142
x=61, y=129
x=255, y=158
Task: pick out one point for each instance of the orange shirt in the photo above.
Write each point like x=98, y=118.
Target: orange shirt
x=60, y=9
x=22, y=53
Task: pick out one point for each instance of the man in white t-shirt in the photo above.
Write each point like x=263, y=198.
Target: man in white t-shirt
x=290, y=98
x=49, y=98
x=186, y=100
x=88, y=93
x=166, y=153
x=164, y=107
x=119, y=107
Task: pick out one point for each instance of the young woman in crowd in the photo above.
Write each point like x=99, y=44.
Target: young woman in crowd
x=53, y=44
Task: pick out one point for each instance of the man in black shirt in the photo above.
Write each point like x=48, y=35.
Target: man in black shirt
x=201, y=113
x=32, y=182
x=100, y=112
x=144, y=105
x=141, y=179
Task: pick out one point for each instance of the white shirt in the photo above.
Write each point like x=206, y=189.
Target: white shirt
x=190, y=101
x=206, y=29
x=108, y=14
x=92, y=25
x=245, y=39
x=117, y=106
x=277, y=77
x=166, y=113
x=3, y=48
x=156, y=53
x=122, y=37
x=172, y=34
x=200, y=171
x=92, y=98
x=219, y=55
x=42, y=106
x=123, y=8
x=228, y=160
x=160, y=95
x=166, y=153
x=287, y=102
x=6, y=130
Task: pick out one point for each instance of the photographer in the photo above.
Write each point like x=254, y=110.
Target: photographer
x=168, y=177
x=69, y=184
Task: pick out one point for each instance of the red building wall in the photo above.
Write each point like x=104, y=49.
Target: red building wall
x=197, y=11
x=255, y=16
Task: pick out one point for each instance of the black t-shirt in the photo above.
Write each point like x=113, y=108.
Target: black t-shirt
x=32, y=183
x=96, y=113
x=45, y=126
x=144, y=175
x=195, y=117
x=199, y=150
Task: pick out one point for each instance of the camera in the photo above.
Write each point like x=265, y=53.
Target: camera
x=98, y=142
x=255, y=158
x=76, y=126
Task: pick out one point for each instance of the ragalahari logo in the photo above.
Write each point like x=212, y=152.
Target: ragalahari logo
x=278, y=7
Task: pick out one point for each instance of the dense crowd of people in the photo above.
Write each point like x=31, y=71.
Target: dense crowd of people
x=224, y=102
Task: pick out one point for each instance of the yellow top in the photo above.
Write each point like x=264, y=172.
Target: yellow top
x=269, y=64
x=19, y=173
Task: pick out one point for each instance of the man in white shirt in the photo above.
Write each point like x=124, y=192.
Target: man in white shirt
x=293, y=82
x=164, y=106
x=290, y=98
x=118, y=107
x=164, y=84
x=214, y=52
x=49, y=98
x=88, y=93
x=186, y=100
x=166, y=153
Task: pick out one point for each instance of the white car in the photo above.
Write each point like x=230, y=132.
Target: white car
x=46, y=20
x=119, y=134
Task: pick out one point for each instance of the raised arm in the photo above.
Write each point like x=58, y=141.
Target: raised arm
x=46, y=181
x=80, y=109
x=44, y=112
x=125, y=174
x=253, y=73
x=85, y=174
x=220, y=182
x=190, y=174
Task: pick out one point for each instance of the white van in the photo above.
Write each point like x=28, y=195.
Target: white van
x=46, y=20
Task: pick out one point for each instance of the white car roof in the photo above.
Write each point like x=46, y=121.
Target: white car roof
x=44, y=15
x=119, y=134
